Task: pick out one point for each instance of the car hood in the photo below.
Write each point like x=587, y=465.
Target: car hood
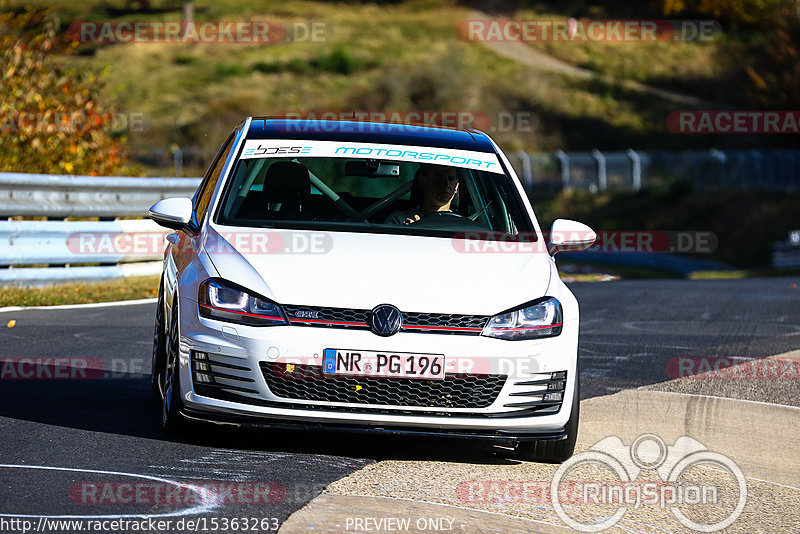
x=361, y=270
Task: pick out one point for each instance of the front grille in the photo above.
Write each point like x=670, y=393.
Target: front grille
x=308, y=383
x=435, y=321
x=320, y=316
x=440, y=323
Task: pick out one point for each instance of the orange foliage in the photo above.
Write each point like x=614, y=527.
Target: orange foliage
x=51, y=118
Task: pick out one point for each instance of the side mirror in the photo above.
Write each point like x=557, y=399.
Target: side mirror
x=173, y=213
x=569, y=235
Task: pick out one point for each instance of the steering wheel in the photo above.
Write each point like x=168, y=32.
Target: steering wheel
x=445, y=220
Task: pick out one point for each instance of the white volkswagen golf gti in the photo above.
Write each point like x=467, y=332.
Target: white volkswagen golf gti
x=369, y=277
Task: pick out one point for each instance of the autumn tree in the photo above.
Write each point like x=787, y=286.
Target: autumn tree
x=759, y=13
x=51, y=117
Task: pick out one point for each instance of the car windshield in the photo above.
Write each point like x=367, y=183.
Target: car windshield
x=372, y=188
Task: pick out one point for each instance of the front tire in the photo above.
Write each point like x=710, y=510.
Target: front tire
x=171, y=419
x=555, y=452
x=159, y=346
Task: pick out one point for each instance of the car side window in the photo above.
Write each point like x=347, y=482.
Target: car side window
x=206, y=190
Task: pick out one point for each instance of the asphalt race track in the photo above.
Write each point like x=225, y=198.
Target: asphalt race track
x=63, y=437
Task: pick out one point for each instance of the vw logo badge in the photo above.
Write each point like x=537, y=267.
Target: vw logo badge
x=385, y=320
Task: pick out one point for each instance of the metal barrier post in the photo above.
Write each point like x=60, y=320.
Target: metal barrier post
x=564, y=159
x=601, y=169
x=636, y=168
x=527, y=176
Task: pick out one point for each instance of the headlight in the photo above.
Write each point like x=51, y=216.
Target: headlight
x=225, y=302
x=537, y=319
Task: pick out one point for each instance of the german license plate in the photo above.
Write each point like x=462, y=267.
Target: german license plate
x=383, y=364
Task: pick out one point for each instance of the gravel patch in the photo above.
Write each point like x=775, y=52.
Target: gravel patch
x=769, y=507
x=775, y=379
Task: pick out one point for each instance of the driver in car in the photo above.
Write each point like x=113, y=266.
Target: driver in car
x=433, y=191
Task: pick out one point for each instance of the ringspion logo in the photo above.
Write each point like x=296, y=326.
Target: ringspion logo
x=679, y=492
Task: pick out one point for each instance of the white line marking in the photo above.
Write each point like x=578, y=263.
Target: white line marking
x=709, y=468
x=80, y=306
x=81, y=335
x=719, y=397
x=198, y=509
x=773, y=483
x=633, y=343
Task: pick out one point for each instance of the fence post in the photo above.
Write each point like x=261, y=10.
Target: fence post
x=601, y=169
x=527, y=177
x=636, y=168
x=187, y=18
x=564, y=159
x=177, y=159
x=720, y=156
x=757, y=158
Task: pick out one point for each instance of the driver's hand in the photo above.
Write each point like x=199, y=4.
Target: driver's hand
x=411, y=220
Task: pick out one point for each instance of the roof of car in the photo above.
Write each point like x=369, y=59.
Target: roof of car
x=369, y=132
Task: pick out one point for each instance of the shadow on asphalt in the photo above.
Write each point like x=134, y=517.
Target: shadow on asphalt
x=629, y=333
x=125, y=405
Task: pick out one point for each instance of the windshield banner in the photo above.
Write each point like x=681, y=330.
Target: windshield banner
x=288, y=148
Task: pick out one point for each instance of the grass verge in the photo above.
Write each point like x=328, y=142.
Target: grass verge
x=135, y=287
x=744, y=273
x=602, y=270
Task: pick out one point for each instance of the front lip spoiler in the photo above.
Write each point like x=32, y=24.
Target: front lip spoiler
x=202, y=417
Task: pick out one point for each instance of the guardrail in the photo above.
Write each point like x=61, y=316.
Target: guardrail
x=596, y=171
x=42, y=252
x=80, y=242
x=46, y=195
x=786, y=255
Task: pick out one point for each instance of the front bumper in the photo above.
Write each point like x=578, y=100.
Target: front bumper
x=201, y=417
x=245, y=350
